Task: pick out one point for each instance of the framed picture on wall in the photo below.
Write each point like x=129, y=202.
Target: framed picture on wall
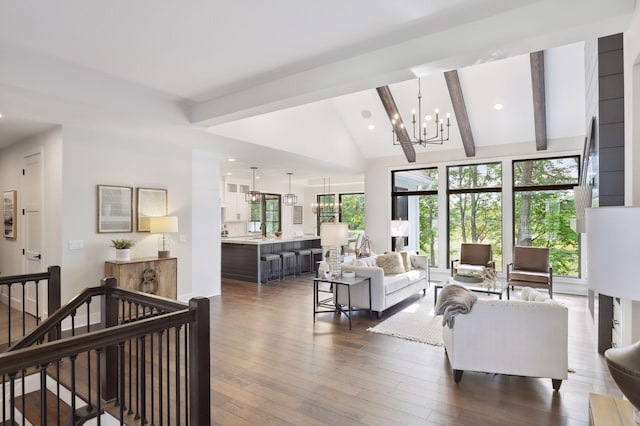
x=9, y=201
x=297, y=215
x=151, y=203
x=115, y=209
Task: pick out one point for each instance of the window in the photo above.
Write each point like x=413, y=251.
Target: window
x=267, y=211
x=475, y=207
x=544, y=208
x=326, y=211
x=415, y=198
x=352, y=211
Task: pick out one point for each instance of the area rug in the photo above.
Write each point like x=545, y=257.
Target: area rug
x=415, y=322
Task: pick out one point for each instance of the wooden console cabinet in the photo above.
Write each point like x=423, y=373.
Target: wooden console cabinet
x=149, y=275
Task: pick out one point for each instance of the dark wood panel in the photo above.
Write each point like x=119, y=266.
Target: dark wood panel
x=536, y=60
x=390, y=107
x=460, y=111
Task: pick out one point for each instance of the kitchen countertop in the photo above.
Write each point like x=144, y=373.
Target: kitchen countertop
x=259, y=241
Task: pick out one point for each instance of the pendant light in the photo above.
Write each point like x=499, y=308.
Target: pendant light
x=289, y=199
x=253, y=196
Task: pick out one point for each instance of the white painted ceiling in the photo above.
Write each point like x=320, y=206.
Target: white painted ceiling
x=313, y=66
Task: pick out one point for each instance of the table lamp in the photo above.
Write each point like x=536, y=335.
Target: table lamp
x=613, y=235
x=163, y=225
x=334, y=235
x=399, y=230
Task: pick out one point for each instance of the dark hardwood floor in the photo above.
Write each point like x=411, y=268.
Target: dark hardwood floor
x=272, y=365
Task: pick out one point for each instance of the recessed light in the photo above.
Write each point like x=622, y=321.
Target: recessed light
x=371, y=127
x=229, y=173
x=231, y=160
x=497, y=107
x=0, y=115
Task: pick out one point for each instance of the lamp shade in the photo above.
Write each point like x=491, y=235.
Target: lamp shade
x=613, y=235
x=163, y=224
x=334, y=234
x=399, y=228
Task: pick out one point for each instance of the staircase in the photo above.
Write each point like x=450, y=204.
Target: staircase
x=146, y=362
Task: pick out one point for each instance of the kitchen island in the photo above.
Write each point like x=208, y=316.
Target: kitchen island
x=241, y=255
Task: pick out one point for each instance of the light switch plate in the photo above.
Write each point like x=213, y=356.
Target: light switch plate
x=76, y=244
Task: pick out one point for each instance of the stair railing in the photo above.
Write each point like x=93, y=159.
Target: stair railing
x=147, y=362
x=17, y=287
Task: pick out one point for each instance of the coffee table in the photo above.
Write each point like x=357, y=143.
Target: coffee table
x=487, y=287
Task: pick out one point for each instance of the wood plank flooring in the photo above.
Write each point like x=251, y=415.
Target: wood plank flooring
x=272, y=365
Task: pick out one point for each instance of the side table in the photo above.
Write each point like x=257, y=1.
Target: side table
x=330, y=304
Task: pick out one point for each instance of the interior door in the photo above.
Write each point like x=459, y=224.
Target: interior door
x=33, y=227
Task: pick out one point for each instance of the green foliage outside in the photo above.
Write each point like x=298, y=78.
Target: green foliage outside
x=352, y=211
x=429, y=227
x=475, y=217
x=543, y=218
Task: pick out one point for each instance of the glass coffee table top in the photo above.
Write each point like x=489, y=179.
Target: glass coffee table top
x=496, y=287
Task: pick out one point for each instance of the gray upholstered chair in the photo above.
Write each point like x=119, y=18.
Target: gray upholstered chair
x=473, y=256
x=530, y=268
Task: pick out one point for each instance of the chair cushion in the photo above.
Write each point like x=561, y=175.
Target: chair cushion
x=391, y=263
x=470, y=269
x=475, y=253
x=536, y=277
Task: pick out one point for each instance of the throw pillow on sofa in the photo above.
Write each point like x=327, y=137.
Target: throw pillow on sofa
x=406, y=260
x=391, y=263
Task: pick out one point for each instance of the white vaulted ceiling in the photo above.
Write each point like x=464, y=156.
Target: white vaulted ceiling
x=294, y=77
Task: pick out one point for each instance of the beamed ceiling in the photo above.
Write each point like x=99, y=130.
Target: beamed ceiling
x=292, y=85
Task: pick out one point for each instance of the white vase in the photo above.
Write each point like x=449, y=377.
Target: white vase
x=123, y=255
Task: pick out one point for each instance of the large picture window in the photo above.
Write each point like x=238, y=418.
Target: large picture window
x=352, y=211
x=544, y=209
x=415, y=198
x=326, y=211
x=475, y=207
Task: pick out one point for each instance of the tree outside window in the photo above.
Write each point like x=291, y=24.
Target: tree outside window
x=352, y=211
x=544, y=209
x=475, y=207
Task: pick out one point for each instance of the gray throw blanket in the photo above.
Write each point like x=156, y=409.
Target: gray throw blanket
x=453, y=300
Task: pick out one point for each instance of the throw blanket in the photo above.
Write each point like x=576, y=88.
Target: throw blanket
x=453, y=300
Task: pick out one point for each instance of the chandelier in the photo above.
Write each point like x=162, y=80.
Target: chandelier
x=421, y=136
x=289, y=199
x=328, y=208
x=253, y=196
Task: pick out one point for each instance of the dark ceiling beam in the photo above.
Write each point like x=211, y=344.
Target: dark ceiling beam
x=460, y=111
x=539, y=103
x=392, y=111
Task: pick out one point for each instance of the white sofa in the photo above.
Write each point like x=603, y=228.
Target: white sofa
x=516, y=337
x=386, y=290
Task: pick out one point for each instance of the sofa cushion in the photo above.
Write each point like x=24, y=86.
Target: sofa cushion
x=406, y=260
x=391, y=263
x=536, y=277
x=368, y=261
x=396, y=282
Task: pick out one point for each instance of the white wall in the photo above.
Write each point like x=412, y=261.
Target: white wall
x=49, y=144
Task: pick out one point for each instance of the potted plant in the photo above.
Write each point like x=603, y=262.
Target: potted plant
x=123, y=249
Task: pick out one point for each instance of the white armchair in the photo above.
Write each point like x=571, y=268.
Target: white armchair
x=515, y=337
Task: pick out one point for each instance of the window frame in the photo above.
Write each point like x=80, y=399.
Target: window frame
x=536, y=188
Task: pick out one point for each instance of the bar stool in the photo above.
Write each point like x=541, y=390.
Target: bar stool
x=300, y=255
x=267, y=265
x=288, y=262
x=316, y=255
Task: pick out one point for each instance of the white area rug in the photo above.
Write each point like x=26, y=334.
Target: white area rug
x=415, y=322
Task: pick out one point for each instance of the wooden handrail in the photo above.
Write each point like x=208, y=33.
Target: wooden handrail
x=15, y=279
x=57, y=317
x=17, y=360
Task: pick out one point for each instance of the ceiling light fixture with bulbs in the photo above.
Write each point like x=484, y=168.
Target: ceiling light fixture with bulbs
x=289, y=199
x=328, y=208
x=421, y=136
x=253, y=196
